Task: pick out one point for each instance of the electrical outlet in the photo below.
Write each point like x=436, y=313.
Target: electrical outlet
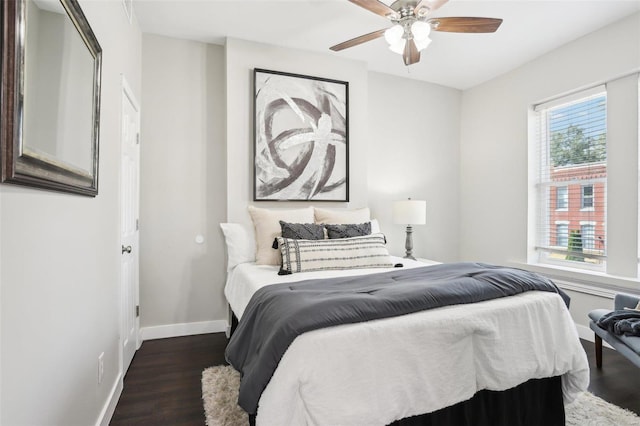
x=100, y=367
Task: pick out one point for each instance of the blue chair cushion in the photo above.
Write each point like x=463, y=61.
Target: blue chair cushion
x=628, y=346
x=596, y=314
x=632, y=341
x=621, y=346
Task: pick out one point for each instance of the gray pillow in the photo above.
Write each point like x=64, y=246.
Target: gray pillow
x=348, y=230
x=300, y=231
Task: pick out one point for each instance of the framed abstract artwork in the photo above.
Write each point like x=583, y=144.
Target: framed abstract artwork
x=301, y=138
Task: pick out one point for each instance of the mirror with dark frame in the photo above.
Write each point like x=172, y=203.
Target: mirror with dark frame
x=50, y=102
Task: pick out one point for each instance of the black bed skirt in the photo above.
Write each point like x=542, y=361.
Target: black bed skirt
x=533, y=403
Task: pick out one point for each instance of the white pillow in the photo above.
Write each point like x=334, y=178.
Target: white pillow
x=342, y=216
x=375, y=226
x=266, y=223
x=241, y=244
x=367, y=251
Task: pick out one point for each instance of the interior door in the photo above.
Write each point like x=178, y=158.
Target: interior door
x=129, y=193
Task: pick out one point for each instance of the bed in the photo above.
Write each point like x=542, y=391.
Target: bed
x=512, y=360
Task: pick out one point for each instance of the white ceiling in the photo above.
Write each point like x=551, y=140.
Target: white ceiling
x=530, y=29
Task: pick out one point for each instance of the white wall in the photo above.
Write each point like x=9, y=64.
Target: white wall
x=403, y=142
x=183, y=184
x=60, y=257
x=241, y=58
x=413, y=151
x=189, y=185
x=493, y=150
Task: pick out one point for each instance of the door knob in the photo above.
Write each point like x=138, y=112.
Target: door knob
x=126, y=249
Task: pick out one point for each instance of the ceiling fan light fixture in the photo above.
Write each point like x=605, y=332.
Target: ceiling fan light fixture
x=394, y=34
x=398, y=47
x=392, y=16
x=422, y=12
x=411, y=27
x=420, y=30
x=422, y=44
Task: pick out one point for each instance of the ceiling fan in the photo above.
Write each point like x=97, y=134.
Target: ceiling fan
x=412, y=25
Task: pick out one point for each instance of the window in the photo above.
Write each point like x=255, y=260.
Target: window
x=562, y=234
x=571, y=149
x=588, y=231
x=562, y=197
x=586, y=201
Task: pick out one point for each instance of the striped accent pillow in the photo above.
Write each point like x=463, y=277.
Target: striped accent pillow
x=367, y=251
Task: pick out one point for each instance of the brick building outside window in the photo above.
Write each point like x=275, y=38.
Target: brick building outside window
x=577, y=205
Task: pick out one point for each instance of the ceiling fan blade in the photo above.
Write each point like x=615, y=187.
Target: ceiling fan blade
x=465, y=25
x=411, y=54
x=427, y=6
x=376, y=7
x=358, y=40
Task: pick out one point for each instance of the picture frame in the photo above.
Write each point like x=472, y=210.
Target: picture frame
x=301, y=137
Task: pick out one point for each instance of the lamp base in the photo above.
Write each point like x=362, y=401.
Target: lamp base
x=408, y=244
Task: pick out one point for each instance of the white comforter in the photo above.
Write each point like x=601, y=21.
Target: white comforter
x=376, y=372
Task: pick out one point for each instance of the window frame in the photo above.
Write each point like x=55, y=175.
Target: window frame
x=583, y=197
x=565, y=224
x=543, y=251
x=592, y=226
x=565, y=198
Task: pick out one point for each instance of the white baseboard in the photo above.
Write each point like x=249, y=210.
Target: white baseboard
x=110, y=407
x=587, y=334
x=183, y=329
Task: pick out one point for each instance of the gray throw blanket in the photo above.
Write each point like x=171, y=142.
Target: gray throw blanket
x=625, y=322
x=277, y=314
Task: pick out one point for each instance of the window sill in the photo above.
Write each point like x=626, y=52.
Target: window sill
x=584, y=281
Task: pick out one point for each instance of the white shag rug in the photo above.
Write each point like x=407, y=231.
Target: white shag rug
x=220, y=394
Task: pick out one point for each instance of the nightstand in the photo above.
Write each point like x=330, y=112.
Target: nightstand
x=427, y=261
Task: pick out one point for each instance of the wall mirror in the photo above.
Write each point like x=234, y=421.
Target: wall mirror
x=51, y=66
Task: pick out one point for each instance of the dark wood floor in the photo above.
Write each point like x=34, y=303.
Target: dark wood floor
x=618, y=381
x=162, y=386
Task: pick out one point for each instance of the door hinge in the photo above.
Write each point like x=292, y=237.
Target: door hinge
x=137, y=311
x=137, y=138
x=137, y=224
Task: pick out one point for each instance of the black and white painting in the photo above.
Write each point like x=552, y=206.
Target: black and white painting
x=301, y=138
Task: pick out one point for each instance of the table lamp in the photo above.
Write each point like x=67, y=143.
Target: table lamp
x=410, y=212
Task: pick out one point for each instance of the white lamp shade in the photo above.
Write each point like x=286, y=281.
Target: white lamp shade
x=410, y=212
x=398, y=47
x=422, y=44
x=420, y=30
x=394, y=34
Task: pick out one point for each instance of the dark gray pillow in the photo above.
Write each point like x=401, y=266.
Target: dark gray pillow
x=300, y=231
x=348, y=230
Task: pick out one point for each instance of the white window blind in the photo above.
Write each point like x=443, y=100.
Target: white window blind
x=562, y=197
x=571, y=149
